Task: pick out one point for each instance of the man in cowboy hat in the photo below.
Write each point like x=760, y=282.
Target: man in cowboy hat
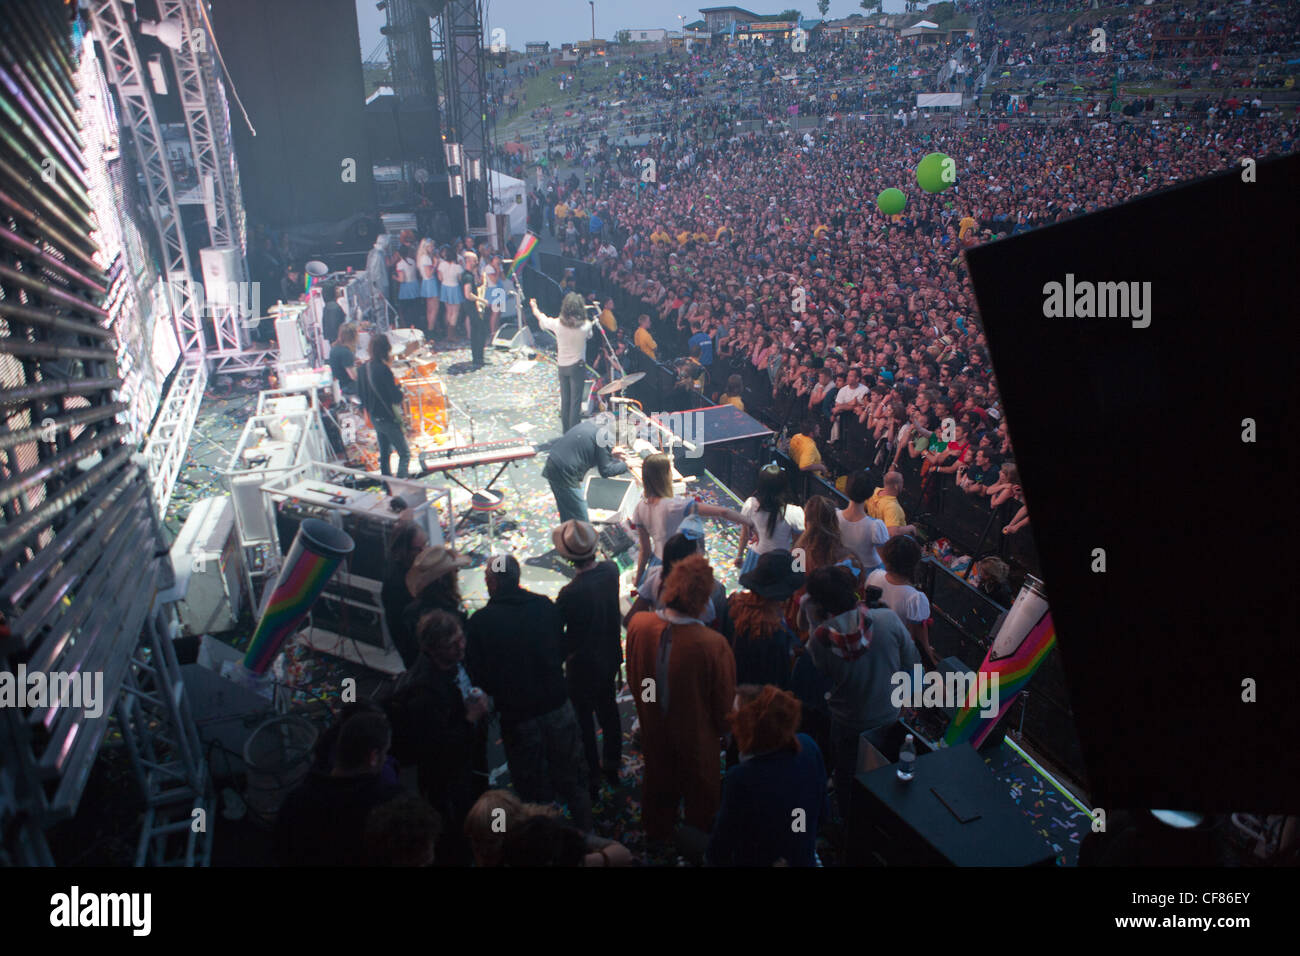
x=434, y=585
x=592, y=645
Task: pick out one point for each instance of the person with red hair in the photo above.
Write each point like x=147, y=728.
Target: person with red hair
x=683, y=678
x=774, y=799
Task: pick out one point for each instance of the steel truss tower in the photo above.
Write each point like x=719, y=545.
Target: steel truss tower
x=207, y=119
x=124, y=70
x=459, y=40
x=203, y=101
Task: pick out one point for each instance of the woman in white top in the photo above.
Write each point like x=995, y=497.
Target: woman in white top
x=659, y=513
x=775, y=522
x=898, y=591
x=571, y=331
x=859, y=531
x=450, y=294
x=425, y=258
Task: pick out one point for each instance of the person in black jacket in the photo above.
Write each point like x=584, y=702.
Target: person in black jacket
x=764, y=644
x=322, y=820
x=516, y=654
x=409, y=540
x=343, y=358
x=585, y=446
x=333, y=316
x=383, y=400
x=443, y=723
x=592, y=646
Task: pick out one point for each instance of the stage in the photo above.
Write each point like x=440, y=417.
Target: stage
x=506, y=400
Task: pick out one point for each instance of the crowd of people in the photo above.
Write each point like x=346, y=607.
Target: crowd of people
x=756, y=261
x=745, y=703
x=761, y=255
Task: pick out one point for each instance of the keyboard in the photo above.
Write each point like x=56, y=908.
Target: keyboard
x=481, y=453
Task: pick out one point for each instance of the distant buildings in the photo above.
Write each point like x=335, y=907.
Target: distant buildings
x=723, y=19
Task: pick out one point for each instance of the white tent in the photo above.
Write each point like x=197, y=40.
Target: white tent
x=511, y=199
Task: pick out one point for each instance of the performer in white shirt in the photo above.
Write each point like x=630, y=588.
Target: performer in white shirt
x=571, y=330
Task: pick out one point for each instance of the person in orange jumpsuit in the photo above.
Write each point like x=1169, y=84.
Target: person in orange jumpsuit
x=683, y=678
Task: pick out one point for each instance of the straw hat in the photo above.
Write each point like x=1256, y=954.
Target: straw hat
x=430, y=565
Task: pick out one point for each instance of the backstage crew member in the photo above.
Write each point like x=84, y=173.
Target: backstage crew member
x=586, y=446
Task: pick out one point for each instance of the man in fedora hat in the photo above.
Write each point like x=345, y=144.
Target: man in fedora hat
x=593, y=649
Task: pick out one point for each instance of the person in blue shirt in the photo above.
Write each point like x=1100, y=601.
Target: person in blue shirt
x=704, y=340
x=774, y=800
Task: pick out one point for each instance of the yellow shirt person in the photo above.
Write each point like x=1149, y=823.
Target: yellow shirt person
x=804, y=452
x=646, y=342
x=886, y=508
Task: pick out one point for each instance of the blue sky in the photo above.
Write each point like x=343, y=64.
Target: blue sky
x=567, y=20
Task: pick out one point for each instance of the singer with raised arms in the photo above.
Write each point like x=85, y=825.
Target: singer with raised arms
x=571, y=330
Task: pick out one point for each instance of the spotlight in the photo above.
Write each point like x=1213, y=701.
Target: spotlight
x=168, y=32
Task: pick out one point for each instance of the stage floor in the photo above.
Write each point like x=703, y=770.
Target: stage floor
x=506, y=403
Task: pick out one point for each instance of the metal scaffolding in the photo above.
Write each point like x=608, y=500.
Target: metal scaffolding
x=124, y=70
x=164, y=453
x=459, y=42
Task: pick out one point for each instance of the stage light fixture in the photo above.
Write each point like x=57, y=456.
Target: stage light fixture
x=169, y=32
x=157, y=75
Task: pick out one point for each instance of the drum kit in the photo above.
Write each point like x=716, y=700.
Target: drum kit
x=599, y=394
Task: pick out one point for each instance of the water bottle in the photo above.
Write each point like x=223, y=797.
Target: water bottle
x=907, y=759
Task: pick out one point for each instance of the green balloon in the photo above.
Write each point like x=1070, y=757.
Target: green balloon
x=891, y=201
x=936, y=172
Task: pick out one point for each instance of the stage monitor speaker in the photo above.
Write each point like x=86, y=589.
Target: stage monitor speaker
x=513, y=337
x=609, y=499
x=221, y=267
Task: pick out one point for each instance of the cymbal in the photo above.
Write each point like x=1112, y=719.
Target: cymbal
x=317, y=268
x=621, y=383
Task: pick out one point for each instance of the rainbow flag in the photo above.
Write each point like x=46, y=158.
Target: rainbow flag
x=1012, y=674
x=294, y=594
x=526, y=247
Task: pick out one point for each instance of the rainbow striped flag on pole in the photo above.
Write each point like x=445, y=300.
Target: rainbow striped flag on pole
x=1026, y=637
x=526, y=247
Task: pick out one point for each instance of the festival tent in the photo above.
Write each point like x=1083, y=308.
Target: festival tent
x=512, y=199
